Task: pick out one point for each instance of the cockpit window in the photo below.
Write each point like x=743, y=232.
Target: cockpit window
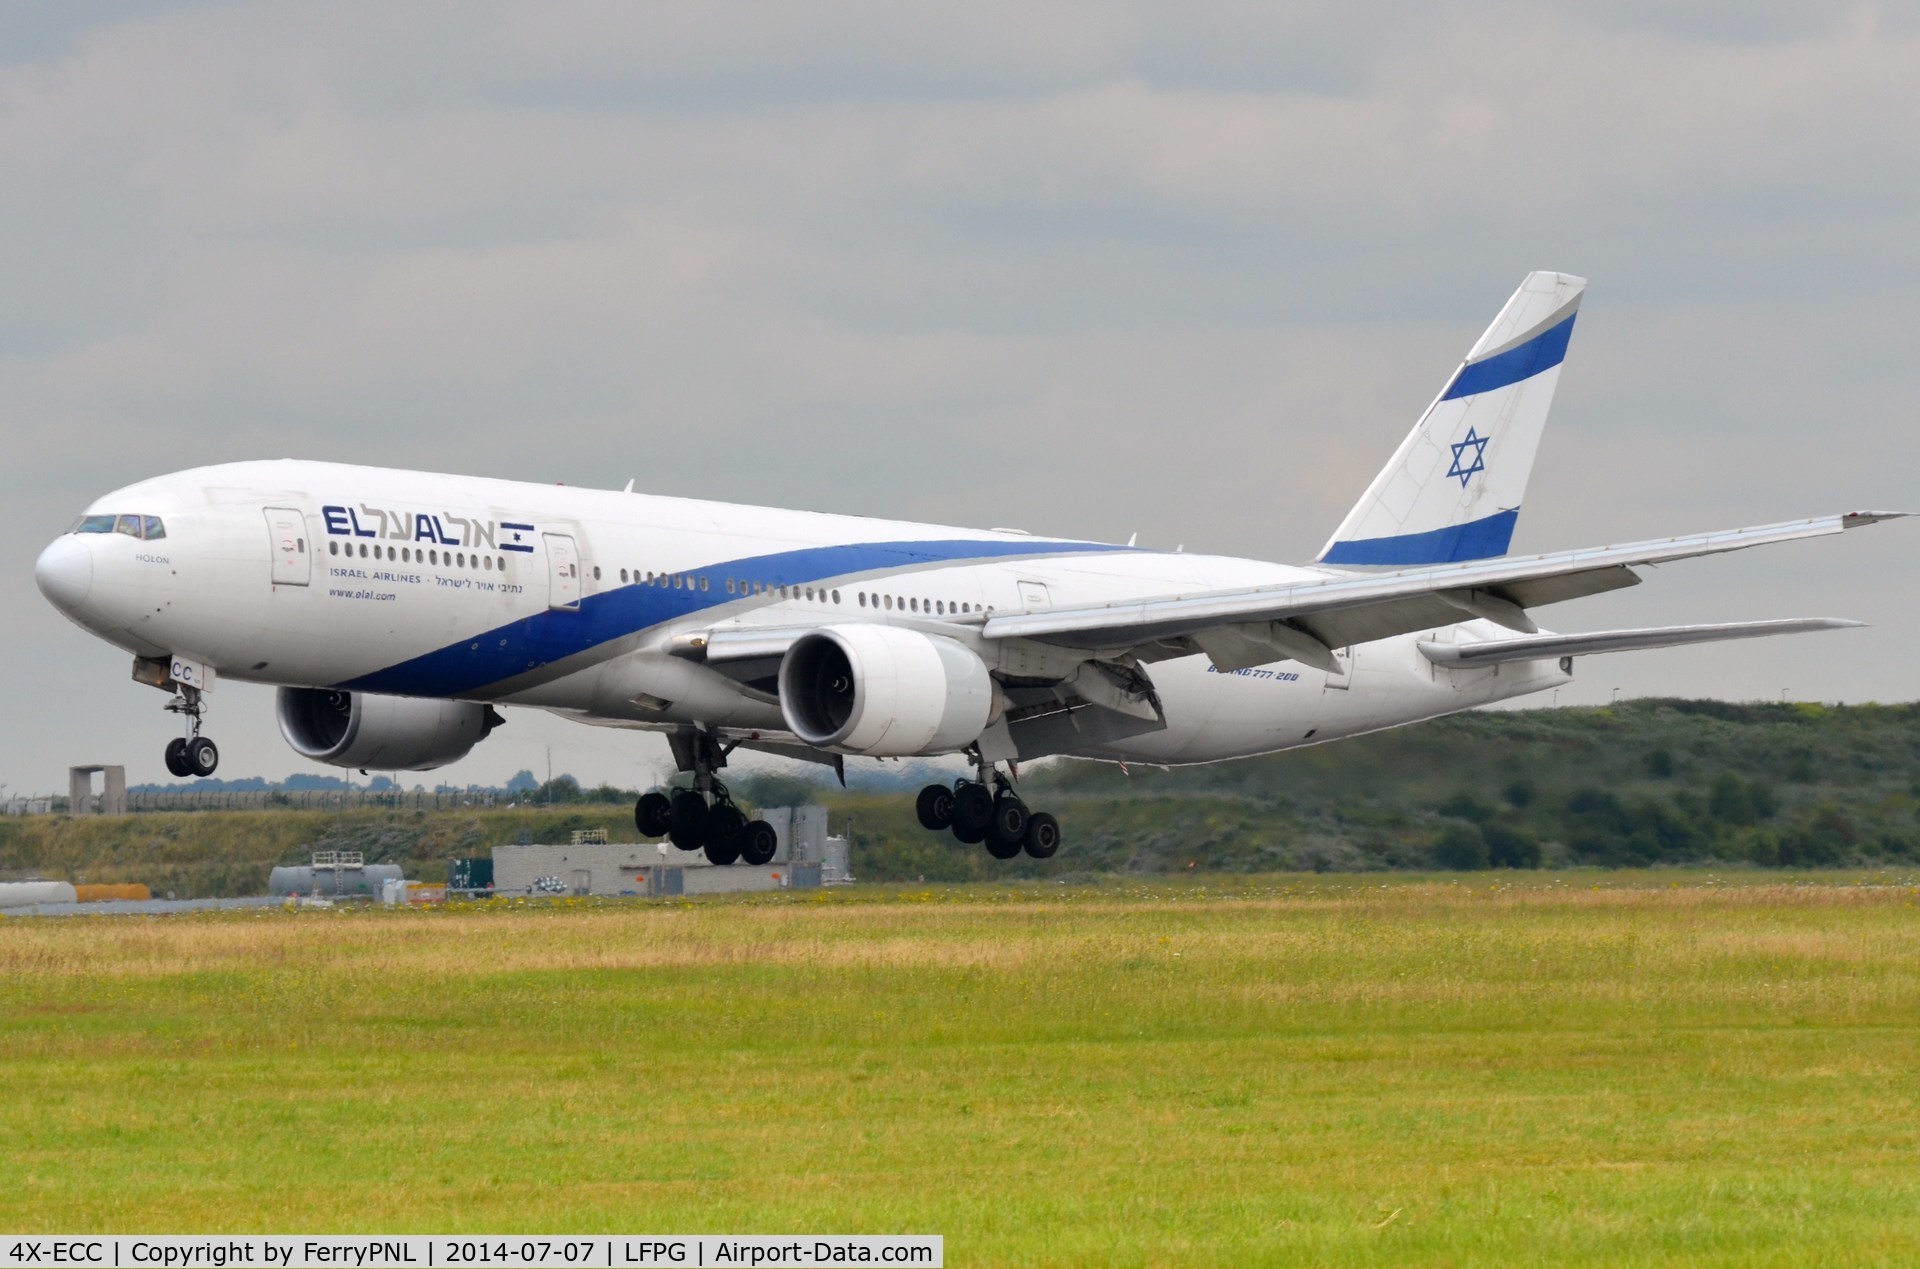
x=148, y=527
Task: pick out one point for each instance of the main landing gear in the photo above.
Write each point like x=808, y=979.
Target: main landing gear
x=710, y=821
x=192, y=754
x=988, y=810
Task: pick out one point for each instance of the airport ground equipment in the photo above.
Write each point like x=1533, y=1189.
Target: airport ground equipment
x=334, y=874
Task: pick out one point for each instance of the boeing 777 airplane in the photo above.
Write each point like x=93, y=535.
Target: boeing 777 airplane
x=395, y=610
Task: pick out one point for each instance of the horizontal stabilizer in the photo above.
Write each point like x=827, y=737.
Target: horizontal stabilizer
x=1547, y=647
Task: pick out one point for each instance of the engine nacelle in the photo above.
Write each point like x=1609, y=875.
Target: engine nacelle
x=392, y=733
x=884, y=692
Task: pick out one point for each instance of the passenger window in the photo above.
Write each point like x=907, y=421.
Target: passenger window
x=433, y=557
x=406, y=555
x=489, y=564
x=836, y=596
x=863, y=599
x=129, y=525
x=703, y=582
x=889, y=602
x=500, y=562
x=914, y=604
x=95, y=524
x=154, y=529
x=302, y=544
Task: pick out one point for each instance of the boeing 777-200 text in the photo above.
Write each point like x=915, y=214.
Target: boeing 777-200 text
x=395, y=610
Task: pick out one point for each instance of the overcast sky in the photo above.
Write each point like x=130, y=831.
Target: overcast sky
x=1187, y=270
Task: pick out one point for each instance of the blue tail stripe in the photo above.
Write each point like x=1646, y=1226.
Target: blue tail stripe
x=1543, y=352
x=1474, y=540
x=532, y=642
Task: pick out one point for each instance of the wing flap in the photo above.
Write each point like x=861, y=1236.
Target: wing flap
x=1547, y=647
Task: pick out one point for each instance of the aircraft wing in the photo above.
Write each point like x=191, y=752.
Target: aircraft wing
x=1544, y=647
x=1306, y=620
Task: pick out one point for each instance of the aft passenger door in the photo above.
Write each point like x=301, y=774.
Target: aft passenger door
x=287, y=540
x=563, y=572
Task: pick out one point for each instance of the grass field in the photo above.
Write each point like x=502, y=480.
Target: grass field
x=1638, y=1068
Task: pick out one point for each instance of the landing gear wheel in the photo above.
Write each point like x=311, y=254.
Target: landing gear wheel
x=758, y=844
x=177, y=757
x=1043, y=835
x=1009, y=823
x=972, y=809
x=720, y=855
x=935, y=808
x=1001, y=848
x=653, y=814
x=688, y=827
x=968, y=836
x=726, y=828
x=202, y=757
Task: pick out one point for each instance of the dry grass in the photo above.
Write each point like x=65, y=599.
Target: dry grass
x=1658, y=1069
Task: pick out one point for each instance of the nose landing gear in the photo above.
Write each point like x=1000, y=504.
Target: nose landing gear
x=192, y=754
x=988, y=810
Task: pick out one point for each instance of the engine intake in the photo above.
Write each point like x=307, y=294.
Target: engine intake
x=884, y=692
x=404, y=733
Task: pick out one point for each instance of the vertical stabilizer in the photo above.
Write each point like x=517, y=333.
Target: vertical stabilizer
x=1453, y=489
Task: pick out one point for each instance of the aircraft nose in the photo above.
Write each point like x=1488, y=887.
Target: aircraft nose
x=65, y=573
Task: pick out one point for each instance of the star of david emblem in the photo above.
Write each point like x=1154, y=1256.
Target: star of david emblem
x=1464, y=467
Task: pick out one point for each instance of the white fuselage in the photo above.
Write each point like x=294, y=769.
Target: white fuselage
x=308, y=574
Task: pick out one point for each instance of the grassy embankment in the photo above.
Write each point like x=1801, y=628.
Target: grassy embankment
x=1648, y=782
x=1526, y=1068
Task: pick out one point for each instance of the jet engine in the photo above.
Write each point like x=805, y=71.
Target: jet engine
x=403, y=733
x=884, y=692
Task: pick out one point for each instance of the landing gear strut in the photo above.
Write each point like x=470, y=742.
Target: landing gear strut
x=704, y=817
x=988, y=810
x=192, y=754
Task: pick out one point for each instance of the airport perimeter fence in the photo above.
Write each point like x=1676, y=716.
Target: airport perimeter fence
x=298, y=800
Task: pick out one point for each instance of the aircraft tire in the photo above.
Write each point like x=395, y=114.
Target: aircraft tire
x=689, y=827
x=177, y=757
x=968, y=836
x=758, y=843
x=1043, y=835
x=1009, y=822
x=1000, y=848
x=721, y=856
x=202, y=757
x=935, y=808
x=972, y=809
x=726, y=827
x=653, y=814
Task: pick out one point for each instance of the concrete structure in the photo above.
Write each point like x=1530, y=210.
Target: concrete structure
x=113, y=794
x=656, y=869
x=834, y=868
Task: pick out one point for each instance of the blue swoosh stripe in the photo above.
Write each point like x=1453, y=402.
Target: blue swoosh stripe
x=541, y=639
x=1523, y=361
x=1474, y=540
